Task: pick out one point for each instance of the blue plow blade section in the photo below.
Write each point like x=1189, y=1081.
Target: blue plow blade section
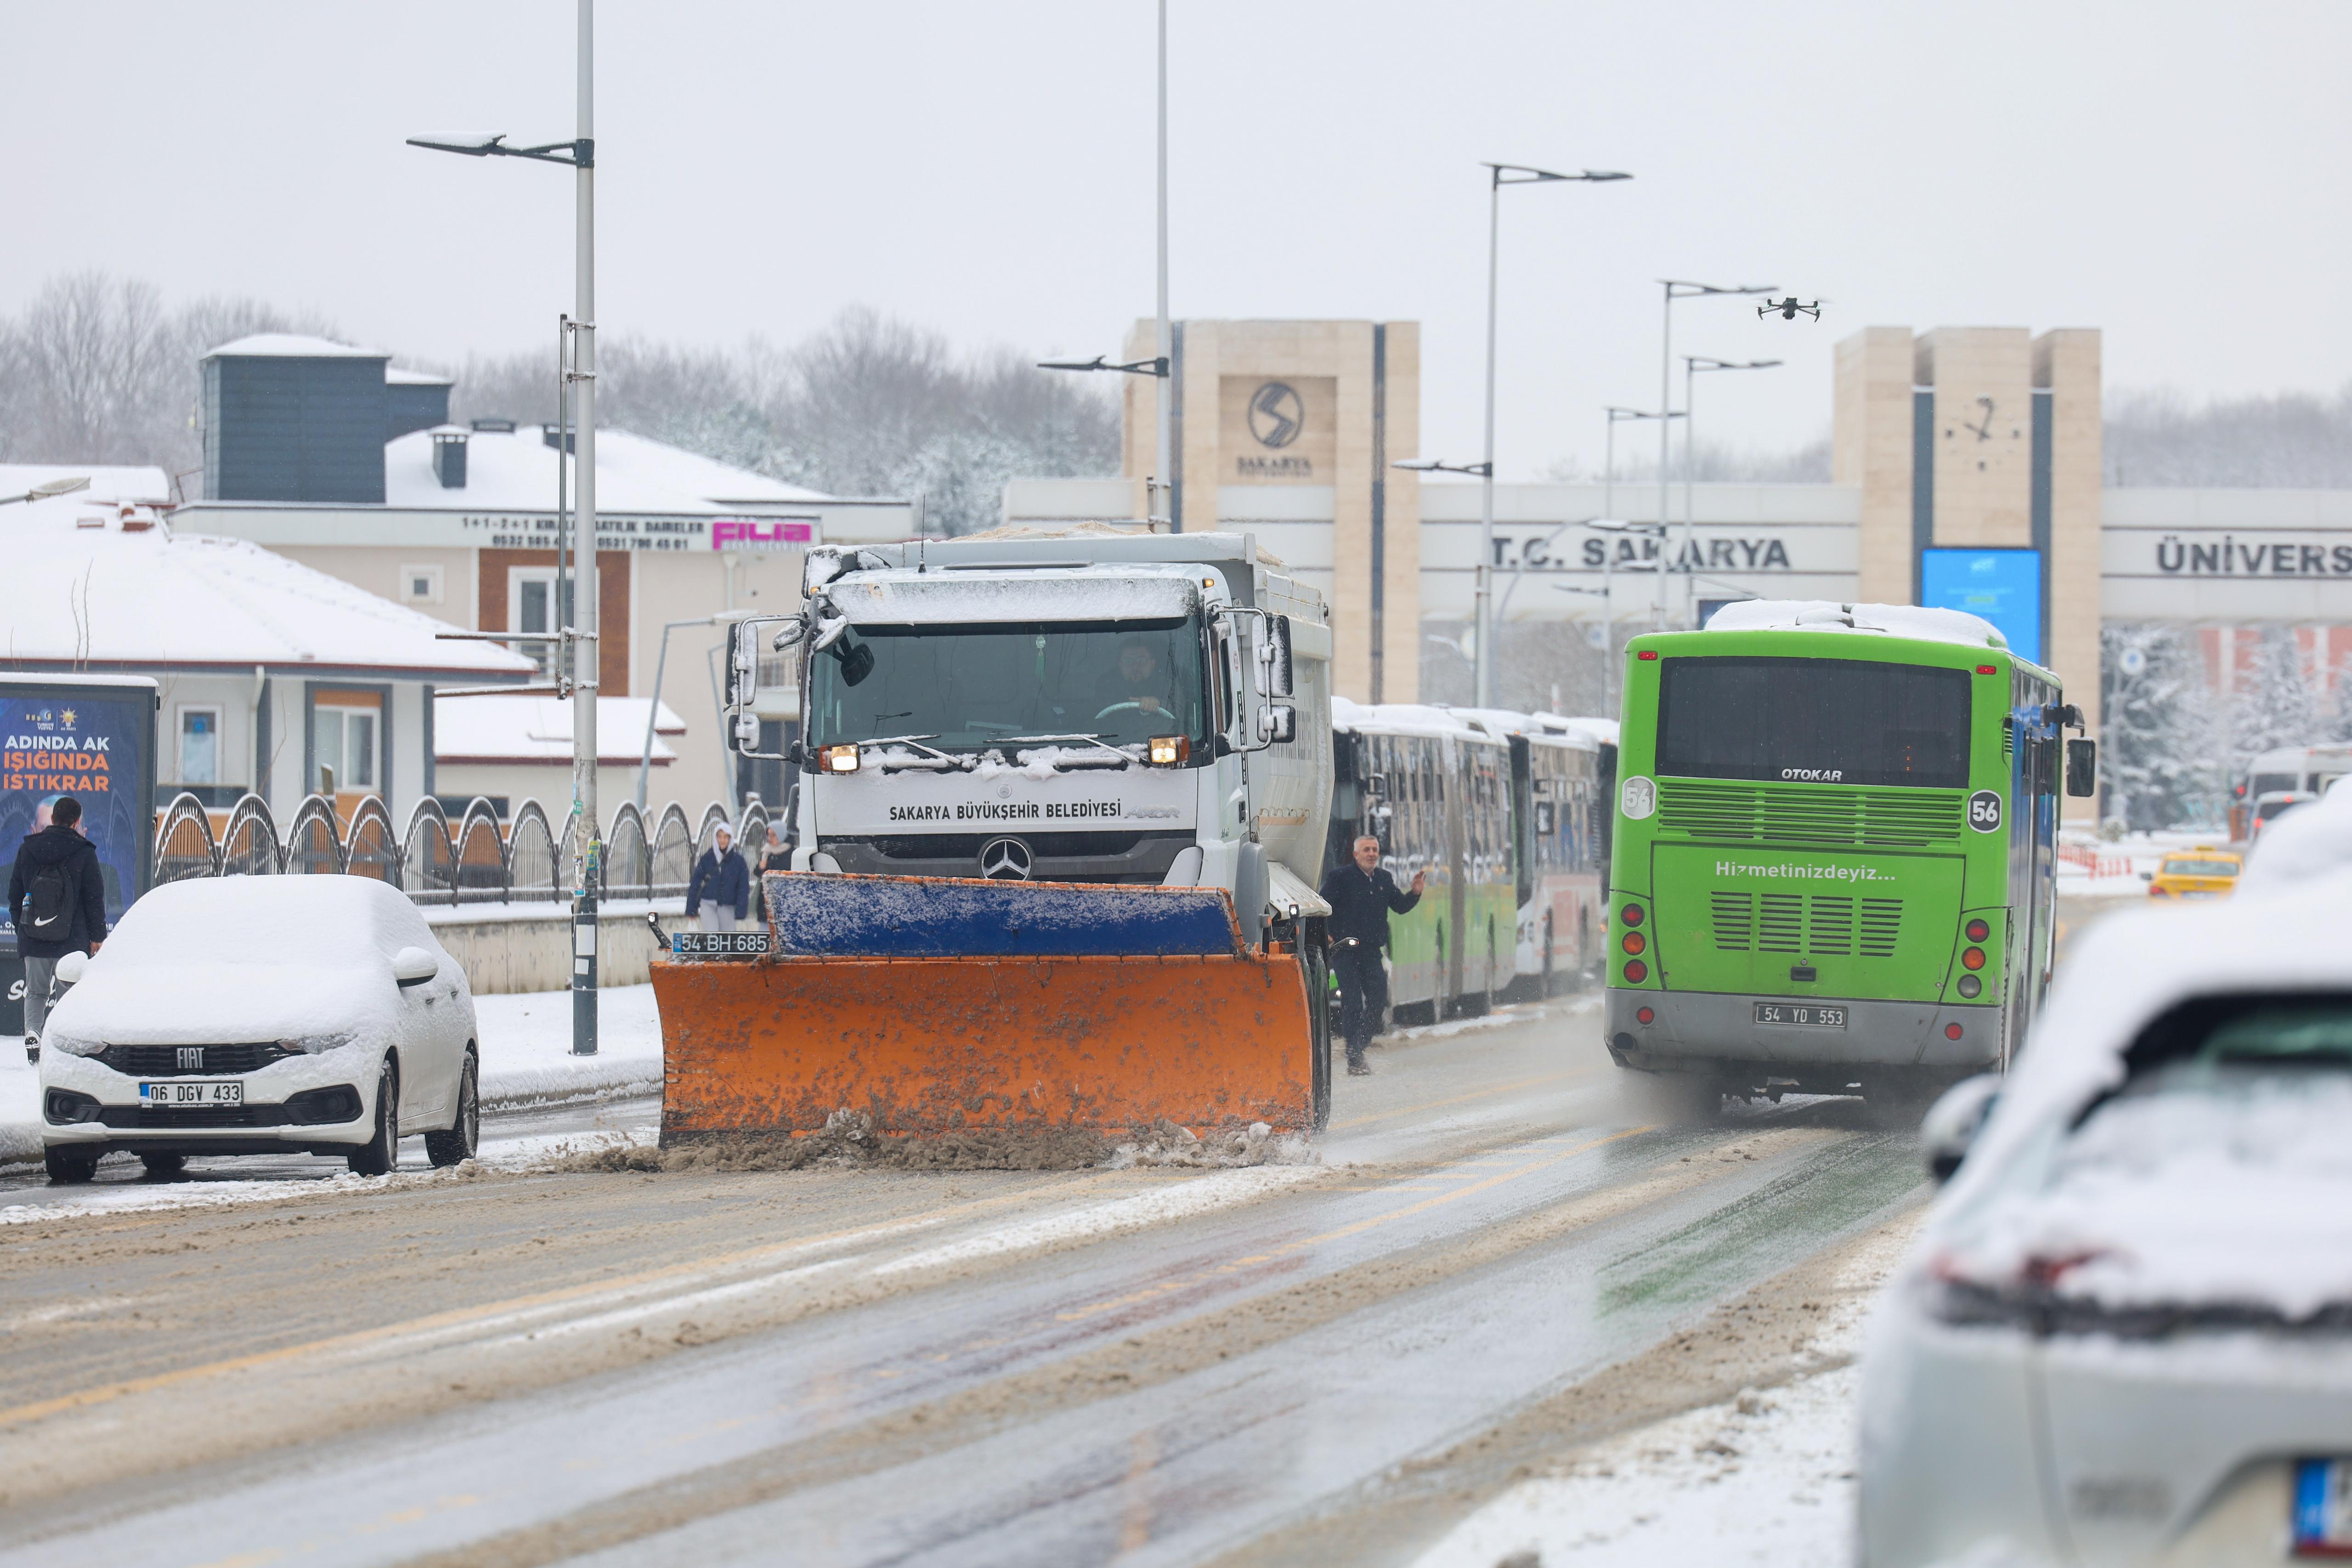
x=940, y=917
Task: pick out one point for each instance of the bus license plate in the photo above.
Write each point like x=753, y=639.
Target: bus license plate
x=1804, y=1015
x=172, y=1096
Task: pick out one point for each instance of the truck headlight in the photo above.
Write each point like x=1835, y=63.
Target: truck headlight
x=838, y=759
x=1169, y=750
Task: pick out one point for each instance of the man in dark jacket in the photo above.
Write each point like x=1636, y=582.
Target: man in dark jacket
x=57, y=900
x=721, y=877
x=1361, y=896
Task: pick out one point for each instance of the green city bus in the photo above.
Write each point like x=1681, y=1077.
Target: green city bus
x=1833, y=867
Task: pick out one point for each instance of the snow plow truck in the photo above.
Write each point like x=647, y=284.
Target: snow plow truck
x=1060, y=817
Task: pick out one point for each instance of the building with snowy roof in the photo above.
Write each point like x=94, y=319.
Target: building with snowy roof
x=273, y=677
x=508, y=750
x=328, y=454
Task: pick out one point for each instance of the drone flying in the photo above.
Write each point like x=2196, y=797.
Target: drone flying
x=1788, y=308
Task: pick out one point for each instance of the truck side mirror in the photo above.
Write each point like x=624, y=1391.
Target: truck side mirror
x=749, y=647
x=1274, y=654
x=2082, y=767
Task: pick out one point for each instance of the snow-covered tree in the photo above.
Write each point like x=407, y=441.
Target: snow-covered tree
x=2161, y=754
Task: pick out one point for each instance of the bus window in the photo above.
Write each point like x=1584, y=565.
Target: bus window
x=1817, y=720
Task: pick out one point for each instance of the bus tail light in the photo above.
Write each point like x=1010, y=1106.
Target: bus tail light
x=1645, y=1014
x=1636, y=970
x=1635, y=941
x=1977, y=931
x=1631, y=914
x=1973, y=958
x=1952, y=1031
x=1971, y=987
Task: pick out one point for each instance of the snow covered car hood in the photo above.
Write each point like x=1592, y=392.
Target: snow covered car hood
x=2197, y=1200
x=210, y=1003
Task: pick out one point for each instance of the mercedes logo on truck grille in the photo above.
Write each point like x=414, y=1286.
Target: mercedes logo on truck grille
x=1005, y=861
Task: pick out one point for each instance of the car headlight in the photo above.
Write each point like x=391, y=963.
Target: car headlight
x=313, y=1044
x=72, y=1045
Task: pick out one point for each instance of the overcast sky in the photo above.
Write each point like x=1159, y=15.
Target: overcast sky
x=2171, y=172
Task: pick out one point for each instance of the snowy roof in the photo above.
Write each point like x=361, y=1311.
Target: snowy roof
x=1603, y=732
x=515, y=471
x=1539, y=728
x=141, y=597
x=395, y=376
x=106, y=482
x=481, y=730
x=897, y=596
x=1823, y=616
x=290, y=345
x=1402, y=719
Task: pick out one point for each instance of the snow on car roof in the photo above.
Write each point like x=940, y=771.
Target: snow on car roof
x=2303, y=845
x=318, y=919
x=145, y=596
x=1912, y=621
x=2132, y=967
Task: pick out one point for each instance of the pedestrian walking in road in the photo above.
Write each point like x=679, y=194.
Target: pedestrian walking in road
x=720, y=877
x=57, y=899
x=776, y=856
x=1361, y=896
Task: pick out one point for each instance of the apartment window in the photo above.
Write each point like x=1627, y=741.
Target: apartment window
x=199, y=746
x=344, y=748
x=420, y=584
x=530, y=607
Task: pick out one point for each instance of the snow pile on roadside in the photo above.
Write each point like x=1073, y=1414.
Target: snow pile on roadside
x=1165, y=1143
x=526, y=1047
x=20, y=1108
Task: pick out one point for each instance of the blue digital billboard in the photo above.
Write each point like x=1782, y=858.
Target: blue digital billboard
x=2004, y=587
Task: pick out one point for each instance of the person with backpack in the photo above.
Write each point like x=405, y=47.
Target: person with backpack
x=57, y=900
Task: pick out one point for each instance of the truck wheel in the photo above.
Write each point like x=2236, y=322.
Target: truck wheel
x=381, y=1151
x=69, y=1167
x=465, y=1132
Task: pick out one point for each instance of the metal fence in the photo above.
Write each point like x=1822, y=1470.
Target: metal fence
x=476, y=861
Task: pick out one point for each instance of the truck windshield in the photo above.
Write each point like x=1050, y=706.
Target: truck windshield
x=975, y=687
x=1814, y=721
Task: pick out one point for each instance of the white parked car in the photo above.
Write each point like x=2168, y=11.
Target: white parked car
x=262, y=1014
x=2126, y=1334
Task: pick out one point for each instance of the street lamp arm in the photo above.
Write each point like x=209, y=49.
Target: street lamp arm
x=579, y=154
x=1136, y=367
x=1523, y=175
x=1431, y=465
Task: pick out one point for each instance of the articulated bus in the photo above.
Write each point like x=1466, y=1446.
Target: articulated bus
x=1558, y=817
x=1436, y=793
x=1835, y=837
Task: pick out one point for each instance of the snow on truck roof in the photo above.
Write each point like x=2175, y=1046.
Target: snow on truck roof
x=1914, y=621
x=1126, y=591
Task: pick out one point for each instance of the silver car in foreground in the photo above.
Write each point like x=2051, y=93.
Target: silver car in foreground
x=262, y=1014
x=2126, y=1334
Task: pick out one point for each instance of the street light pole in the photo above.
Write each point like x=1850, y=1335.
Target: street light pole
x=585, y=643
x=1163, y=475
x=1692, y=365
x=1609, y=460
x=1677, y=288
x=1499, y=176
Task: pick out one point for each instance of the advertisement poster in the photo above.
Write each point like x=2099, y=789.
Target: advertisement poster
x=2004, y=587
x=95, y=742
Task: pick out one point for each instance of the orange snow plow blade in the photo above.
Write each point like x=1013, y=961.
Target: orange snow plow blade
x=927, y=1037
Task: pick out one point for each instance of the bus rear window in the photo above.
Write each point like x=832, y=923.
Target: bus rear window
x=1813, y=721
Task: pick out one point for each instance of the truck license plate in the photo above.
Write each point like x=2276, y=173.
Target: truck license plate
x=2321, y=1513
x=172, y=1096
x=717, y=943
x=1805, y=1015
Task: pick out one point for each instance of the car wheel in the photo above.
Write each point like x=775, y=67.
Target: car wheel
x=164, y=1165
x=69, y=1166
x=381, y=1152
x=465, y=1132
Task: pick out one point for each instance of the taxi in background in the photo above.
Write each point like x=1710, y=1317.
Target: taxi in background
x=2199, y=873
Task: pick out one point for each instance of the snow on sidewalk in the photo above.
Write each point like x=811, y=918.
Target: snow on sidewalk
x=526, y=1045
x=1766, y=1478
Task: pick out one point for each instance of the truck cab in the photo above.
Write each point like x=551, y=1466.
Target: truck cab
x=1083, y=706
